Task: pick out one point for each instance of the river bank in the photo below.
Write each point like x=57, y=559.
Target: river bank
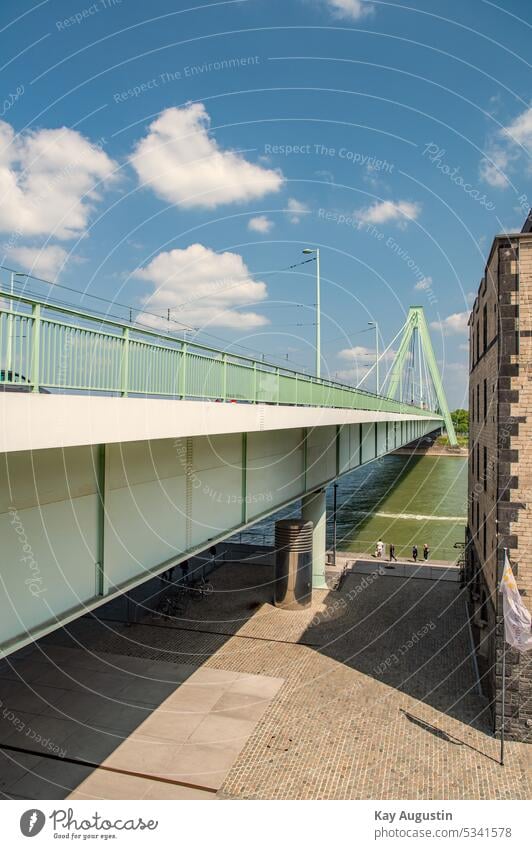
x=434, y=451
x=404, y=500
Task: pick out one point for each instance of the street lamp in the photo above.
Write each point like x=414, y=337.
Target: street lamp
x=376, y=326
x=318, y=331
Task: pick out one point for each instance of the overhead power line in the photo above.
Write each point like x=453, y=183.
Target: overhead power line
x=131, y=309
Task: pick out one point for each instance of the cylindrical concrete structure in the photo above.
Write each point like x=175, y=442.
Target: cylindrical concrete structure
x=293, y=564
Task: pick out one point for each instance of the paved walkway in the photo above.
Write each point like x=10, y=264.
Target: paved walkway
x=351, y=557
x=379, y=698
x=431, y=570
x=88, y=725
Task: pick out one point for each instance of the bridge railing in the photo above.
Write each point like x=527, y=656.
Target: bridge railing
x=47, y=346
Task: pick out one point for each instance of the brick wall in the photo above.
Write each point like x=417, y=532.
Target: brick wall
x=521, y=414
x=500, y=469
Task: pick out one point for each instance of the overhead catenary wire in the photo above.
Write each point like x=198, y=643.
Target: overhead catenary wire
x=347, y=334
x=114, y=302
x=87, y=295
x=381, y=357
x=241, y=283
x=140, y=311
x=144, y=326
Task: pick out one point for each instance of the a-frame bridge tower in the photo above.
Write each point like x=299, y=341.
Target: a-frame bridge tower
x=414, y=376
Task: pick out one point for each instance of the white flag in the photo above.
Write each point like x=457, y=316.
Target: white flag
x=517, y=619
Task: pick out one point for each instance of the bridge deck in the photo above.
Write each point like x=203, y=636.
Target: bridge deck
x=33, y=421
x=99, y=493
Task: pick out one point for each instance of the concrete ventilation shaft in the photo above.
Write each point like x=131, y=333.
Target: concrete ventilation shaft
x=293, y=564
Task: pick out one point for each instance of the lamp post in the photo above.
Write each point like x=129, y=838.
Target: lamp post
x=10, y=318
x=376, y=326
x=318, y=330
x=335, y=491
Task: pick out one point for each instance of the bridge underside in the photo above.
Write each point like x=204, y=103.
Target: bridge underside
x=82, y=523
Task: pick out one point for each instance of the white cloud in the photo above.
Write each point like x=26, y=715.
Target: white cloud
x=455, y=323
x=495, y=104
x=352, y=375
x=360, y=352
x=494, y=167
x=458, y=368
x=202, y=287
x=353, y=9
x=455, y=380
x=48, y=181
x=260, y=224
x=328, y=176
x=504, y=149
x=183, y=163
x=382, y=212
x=520, y=130
x=424, y=284
x=296, y=209
x=42, y=262
x=355, y=353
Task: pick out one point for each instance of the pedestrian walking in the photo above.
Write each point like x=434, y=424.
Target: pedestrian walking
x=166, y=577
x=426, y=551
x=414, y=553
x=380, y=548
x=392, y=553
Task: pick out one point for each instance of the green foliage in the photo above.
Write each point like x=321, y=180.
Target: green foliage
x=460, y=420
x=462, y=440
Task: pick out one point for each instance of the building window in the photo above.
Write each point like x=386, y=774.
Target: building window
x=478, y=341
x=485, y=327
x=478, y=461
x=478, y=402
x=484, y=537
x=485, y=400
x=485, y=464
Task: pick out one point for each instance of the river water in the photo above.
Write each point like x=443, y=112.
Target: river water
x=400, y=499
x=404, y=500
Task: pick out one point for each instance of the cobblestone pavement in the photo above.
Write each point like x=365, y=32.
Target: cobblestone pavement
x=379, y=699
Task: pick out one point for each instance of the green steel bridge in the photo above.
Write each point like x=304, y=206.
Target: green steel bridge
x=120, y=457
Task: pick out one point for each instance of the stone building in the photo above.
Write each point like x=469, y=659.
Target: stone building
x=500, y=468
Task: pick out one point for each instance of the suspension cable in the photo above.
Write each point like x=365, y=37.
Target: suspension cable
x=380, y=358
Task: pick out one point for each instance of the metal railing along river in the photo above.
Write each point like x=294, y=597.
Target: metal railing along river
x=61, y=348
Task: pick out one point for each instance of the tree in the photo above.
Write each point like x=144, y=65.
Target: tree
x=460, y=420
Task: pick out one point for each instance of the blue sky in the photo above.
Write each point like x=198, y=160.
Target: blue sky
x=180, y=155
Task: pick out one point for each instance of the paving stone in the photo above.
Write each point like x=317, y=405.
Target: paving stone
x=174, y=727
x=103, y=784
x=379, y=698
x=51, y=779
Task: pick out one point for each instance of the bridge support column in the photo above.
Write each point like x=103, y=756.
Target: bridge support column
x=313, y=509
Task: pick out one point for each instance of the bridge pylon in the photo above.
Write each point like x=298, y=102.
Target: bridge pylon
x=415, y=365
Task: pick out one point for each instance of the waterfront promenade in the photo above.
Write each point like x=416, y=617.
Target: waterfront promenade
x=370, y=693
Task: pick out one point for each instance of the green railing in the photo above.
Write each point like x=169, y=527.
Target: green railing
x=47, y=346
